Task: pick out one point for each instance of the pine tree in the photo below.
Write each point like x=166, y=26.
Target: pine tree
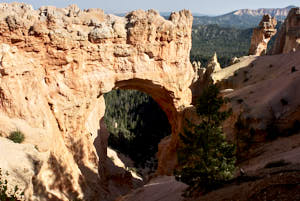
x=205, y=158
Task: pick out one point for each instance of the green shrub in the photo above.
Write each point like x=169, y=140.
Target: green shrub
x=205, y=159
x=16, y=136
x=246, y=80
x=293, y=69
x=284, y=102
x=252, y=131
x=5, y=193
x=240, y=101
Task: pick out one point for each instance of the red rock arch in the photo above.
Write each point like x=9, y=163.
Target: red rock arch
x=57, y=63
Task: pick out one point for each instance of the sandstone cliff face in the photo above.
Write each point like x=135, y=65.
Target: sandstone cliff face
x=55, y=65
x=288, y=38
x=262, y=35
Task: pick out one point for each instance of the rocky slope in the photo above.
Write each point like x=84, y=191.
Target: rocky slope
x=258, y=97
x=55, y=66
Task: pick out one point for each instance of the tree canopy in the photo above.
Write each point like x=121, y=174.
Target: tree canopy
x=205, y=158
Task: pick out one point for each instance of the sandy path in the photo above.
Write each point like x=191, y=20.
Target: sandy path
x=164, y=188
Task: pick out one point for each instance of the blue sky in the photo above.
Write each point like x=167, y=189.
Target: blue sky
x=212, y=7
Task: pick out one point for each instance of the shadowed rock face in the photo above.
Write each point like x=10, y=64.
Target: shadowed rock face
x=262, y=35
x=55, y=65
x=288, y=38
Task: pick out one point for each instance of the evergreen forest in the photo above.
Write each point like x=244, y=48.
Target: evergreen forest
x=136, y=124
x=227, y=42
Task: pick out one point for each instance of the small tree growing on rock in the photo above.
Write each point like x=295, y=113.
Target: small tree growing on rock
x=16, y=136
x=205, y=158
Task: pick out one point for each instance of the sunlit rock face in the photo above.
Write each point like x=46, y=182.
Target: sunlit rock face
x=262, y=35
x=288, y=38
x=55, y=65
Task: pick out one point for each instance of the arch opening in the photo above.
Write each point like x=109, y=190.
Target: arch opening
x=163, y=100
x=136, y=124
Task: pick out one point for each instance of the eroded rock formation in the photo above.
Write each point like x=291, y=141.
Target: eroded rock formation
x=55, y=66
x=288, y=38
x=262, y=35
x=204, y=76
x=213, y=65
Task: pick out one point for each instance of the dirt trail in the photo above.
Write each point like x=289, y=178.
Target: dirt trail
x=164, y=188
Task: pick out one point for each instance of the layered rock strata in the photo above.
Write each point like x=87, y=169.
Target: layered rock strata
x=262, y=35
x=55, y=66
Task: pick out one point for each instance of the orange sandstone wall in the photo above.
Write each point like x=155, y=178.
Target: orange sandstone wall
x=55, y=65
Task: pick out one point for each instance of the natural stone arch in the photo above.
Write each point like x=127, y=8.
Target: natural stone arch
x=165, y=100
x=55, y=66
